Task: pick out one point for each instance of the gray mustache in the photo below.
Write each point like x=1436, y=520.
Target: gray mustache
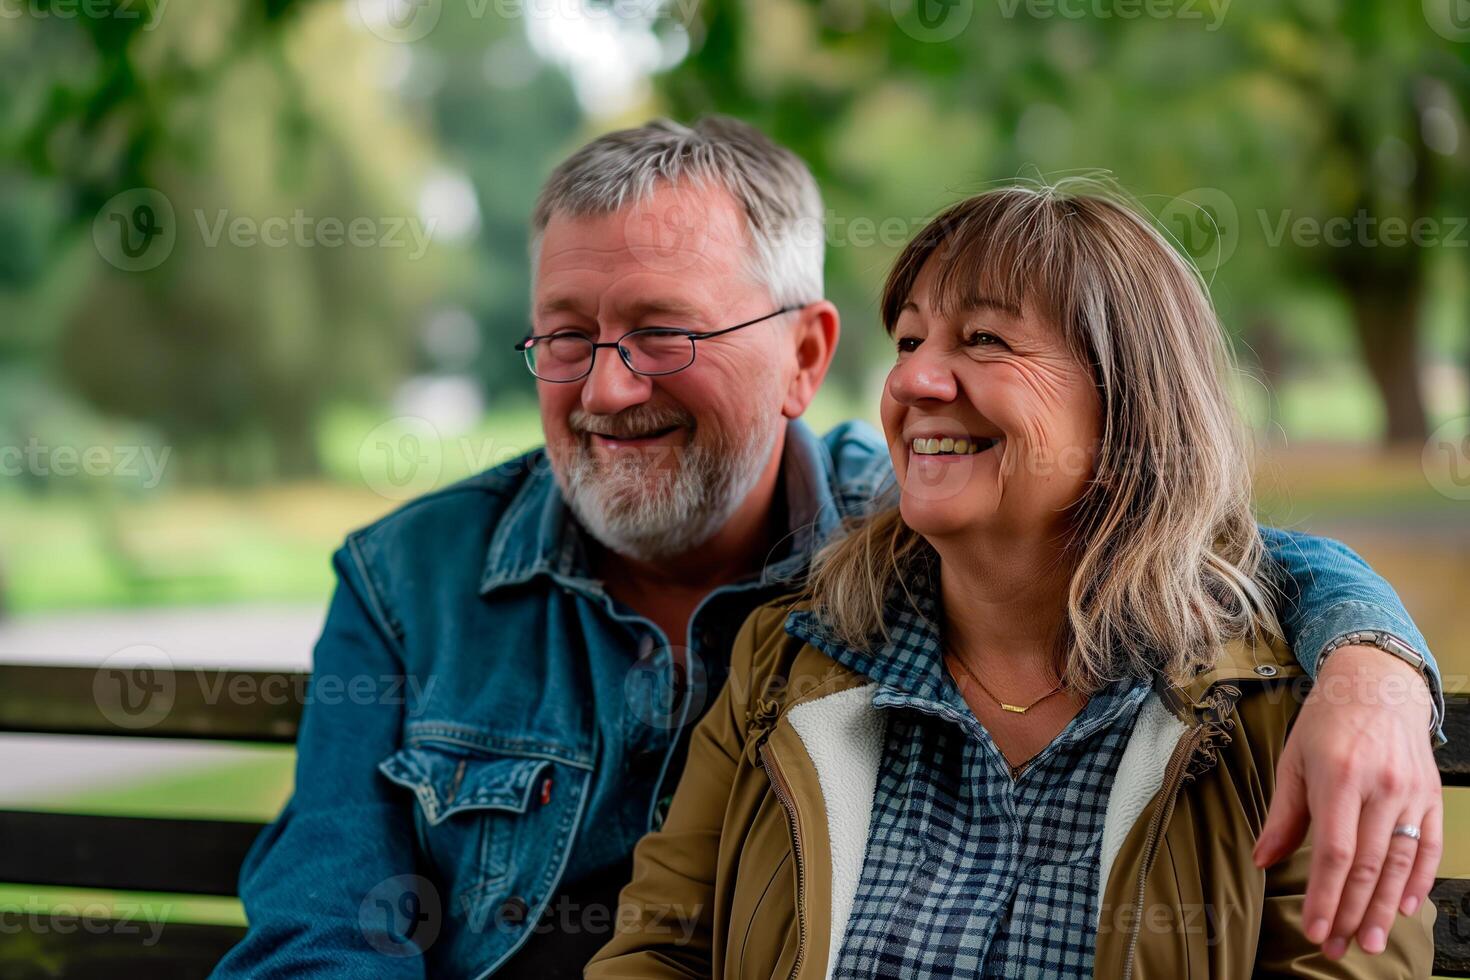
x=630, y=424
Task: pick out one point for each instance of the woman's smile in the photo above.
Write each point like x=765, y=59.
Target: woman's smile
x=947, y=446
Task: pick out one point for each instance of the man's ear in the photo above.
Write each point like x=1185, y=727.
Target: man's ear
x=815, y=334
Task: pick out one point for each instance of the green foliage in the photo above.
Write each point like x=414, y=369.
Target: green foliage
x=1288, y=110
x=1233, y=122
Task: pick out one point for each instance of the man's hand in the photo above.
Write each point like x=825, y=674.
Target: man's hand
x=1357, y=764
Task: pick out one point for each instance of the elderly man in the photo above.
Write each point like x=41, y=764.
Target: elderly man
x=562, y=620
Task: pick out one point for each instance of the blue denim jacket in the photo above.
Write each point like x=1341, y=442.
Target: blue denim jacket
x=485, y=722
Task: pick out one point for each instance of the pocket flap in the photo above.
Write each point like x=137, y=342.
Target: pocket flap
x=447, y=782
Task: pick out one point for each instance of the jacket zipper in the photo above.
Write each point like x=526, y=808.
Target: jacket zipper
x=1174, y=773
x=1173, y=779
x=783, y=796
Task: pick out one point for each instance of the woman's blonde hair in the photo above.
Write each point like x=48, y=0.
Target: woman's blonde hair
x=1168, y=557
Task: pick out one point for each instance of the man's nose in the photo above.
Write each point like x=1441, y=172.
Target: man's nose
x=921, y=376
x=612, y=386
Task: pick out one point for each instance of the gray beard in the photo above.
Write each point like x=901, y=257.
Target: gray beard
x=671, y=515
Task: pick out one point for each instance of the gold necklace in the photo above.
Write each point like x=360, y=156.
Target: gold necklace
x=1019, y=709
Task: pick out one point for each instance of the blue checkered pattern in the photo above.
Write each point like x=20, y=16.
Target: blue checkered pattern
x=969, y=873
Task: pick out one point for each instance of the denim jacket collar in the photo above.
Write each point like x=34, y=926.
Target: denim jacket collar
x=539, y=536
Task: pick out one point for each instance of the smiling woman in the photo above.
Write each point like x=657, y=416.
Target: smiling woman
x=1061, y=332
x=1043, y=689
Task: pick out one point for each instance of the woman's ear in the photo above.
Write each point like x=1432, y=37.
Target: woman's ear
x=815, y=334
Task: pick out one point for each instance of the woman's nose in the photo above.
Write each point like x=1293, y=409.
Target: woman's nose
x=921, y=376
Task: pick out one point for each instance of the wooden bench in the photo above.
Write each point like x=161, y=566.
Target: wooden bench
x=202, y=857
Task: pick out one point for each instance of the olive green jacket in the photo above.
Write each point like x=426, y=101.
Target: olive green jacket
x=754, y=871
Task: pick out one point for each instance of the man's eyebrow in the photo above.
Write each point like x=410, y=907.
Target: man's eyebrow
x=631, y=311
x=661, y=307
x=561, y=304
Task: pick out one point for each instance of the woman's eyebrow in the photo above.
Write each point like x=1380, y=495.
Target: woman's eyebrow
x=977, y=304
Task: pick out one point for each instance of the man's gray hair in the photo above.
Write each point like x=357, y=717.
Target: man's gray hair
x=783, y=207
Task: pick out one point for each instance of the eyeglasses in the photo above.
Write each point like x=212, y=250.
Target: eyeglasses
x=567, y=356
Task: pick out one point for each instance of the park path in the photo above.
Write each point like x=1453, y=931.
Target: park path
x=38, y=770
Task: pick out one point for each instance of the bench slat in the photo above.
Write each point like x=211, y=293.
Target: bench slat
x=184, y=951
x=196, y=857
x=105, y=949
x=207, y=703
x=1454, y=757
x=1452, y=927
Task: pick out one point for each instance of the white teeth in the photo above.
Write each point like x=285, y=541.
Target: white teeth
x=947, y=446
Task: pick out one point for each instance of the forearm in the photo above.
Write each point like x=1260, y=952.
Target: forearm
x=1327, y=592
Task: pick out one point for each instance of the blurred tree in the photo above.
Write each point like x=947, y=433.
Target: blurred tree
x=258, y=125
x=1382, y=162
x=1258, y=116
x=260, y=110
x=501, y=117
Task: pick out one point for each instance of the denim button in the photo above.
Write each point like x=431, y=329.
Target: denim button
x=513, y=910
x=1266, y=670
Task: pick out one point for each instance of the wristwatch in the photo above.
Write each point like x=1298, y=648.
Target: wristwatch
x=1394, y=646
x=1386, y=642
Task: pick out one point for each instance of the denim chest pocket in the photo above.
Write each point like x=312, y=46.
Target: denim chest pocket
x=469, y=807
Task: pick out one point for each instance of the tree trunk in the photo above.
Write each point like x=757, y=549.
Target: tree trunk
x=1263, y=337
x=1386, y=319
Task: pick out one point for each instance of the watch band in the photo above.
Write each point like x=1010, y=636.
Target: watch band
x=1392, y=646
x=1384, y=641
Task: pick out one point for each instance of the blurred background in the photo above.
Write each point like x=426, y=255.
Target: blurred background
x=262, y=263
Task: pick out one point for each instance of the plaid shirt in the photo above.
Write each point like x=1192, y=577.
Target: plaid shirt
x=969, y=872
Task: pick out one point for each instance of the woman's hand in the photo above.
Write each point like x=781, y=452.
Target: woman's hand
x=1359, y=763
